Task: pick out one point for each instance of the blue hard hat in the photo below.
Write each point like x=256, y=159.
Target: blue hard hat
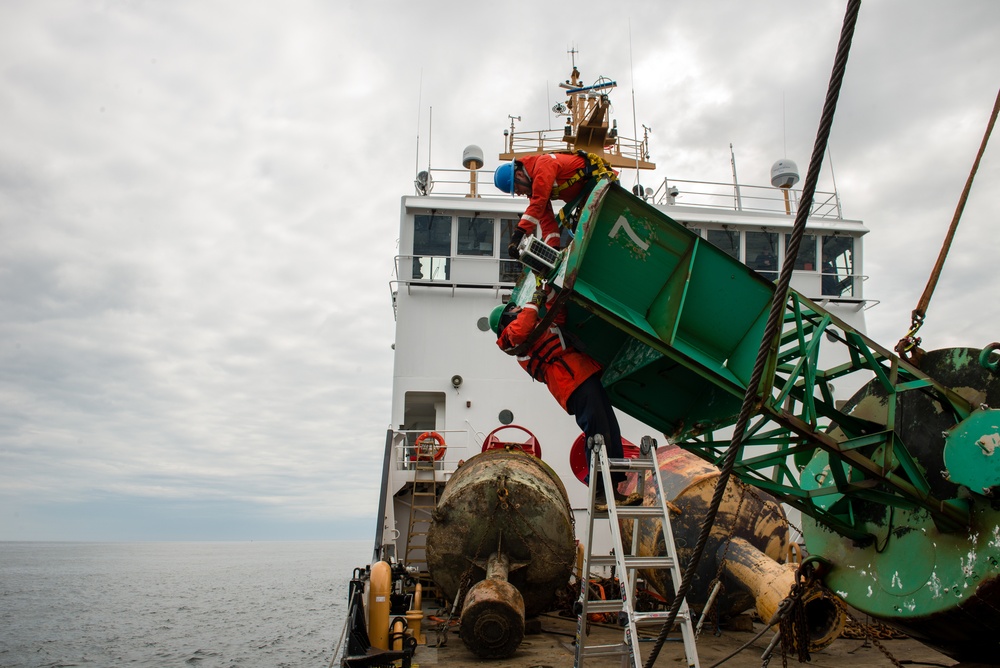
x=503, y=178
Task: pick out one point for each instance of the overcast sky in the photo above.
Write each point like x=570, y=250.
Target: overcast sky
x=199, y=210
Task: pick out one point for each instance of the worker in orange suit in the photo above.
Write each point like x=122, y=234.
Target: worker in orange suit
x=544, y=178
x=573, y=377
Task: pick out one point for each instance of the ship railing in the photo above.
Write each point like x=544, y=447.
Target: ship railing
x=740, y=197
x=457, y=183
x=838, y=287
x=457, y=271
x=459, y=445
x=549, y=141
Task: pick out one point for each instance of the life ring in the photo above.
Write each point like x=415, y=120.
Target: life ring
x=424, y=450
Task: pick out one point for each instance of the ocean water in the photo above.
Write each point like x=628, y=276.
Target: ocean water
x=248, y=604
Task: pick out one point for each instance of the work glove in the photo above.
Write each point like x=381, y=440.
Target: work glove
x=515, y=241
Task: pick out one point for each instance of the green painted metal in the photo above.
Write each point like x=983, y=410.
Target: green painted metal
x=677, y=324
x=972, y=452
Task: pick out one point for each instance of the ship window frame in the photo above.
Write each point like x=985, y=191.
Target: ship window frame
x=730, y=235
x=765, y=255
x=807, y=252
x=429, y=264
x=466, y=240
x=841, y=259
x=508, y=271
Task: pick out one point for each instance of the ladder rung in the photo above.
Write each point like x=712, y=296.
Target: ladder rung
x=605, y=650
x=632, y=561
x=623, y=607
x=641, y=464
x=657, y=618
x=629, y=512
x=604, y=605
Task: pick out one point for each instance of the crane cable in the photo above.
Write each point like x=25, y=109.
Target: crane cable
x=908, y=347
x=752, y=400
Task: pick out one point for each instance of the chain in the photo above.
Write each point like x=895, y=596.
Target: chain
x=874, y=640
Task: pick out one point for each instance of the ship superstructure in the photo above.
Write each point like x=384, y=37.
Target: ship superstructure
x=456, y=394
x=450, y=379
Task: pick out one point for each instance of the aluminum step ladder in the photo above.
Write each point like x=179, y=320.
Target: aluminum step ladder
x=628, y=563
x=423, y=503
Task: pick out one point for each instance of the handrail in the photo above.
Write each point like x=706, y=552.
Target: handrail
x=404, y=277
x=716, y=194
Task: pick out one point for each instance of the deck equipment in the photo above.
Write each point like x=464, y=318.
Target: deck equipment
x=627, y=563
x=677, y=323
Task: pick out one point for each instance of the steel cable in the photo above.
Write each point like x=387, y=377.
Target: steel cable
x=769, y=342
x=909, y=342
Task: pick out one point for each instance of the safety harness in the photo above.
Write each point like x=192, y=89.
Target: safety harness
x=595, y=167
x=546, y=354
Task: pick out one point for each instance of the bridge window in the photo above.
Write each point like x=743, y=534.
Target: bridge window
x=806, y=259
x=762, y=253
x=431, y=247
x=838, y=266
x=475, y=236
x=510, y=270
x=727, y=240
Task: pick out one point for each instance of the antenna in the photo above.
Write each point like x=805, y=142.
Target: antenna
x=547, y=100
x=572, y=53
x=635, y=126
x=420, y=92
x=736, y=181
x=510, y=133
x=784, y=133
x=836, y=195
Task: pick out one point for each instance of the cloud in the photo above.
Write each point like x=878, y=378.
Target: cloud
x=199, y=203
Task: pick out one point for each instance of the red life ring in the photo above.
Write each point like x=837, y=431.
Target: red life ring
x=424, y=450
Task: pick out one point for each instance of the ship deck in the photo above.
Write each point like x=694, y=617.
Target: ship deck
x=552, y=647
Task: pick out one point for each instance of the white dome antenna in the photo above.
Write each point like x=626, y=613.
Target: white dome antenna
x=472, y=160
x=472, y=157
x=784, y=173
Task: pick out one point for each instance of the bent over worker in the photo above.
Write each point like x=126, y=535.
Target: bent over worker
x=573, y=377
x=543, y=178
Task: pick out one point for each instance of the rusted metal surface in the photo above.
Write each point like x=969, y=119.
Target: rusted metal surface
x=942, y=587
x=689, y=483
x=493, y=613
x=771, y=582
x=510, y=503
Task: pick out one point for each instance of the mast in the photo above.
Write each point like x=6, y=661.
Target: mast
x=589, y=127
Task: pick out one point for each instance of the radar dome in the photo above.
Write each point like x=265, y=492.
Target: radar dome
x=784, y=173
x=472, y=157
